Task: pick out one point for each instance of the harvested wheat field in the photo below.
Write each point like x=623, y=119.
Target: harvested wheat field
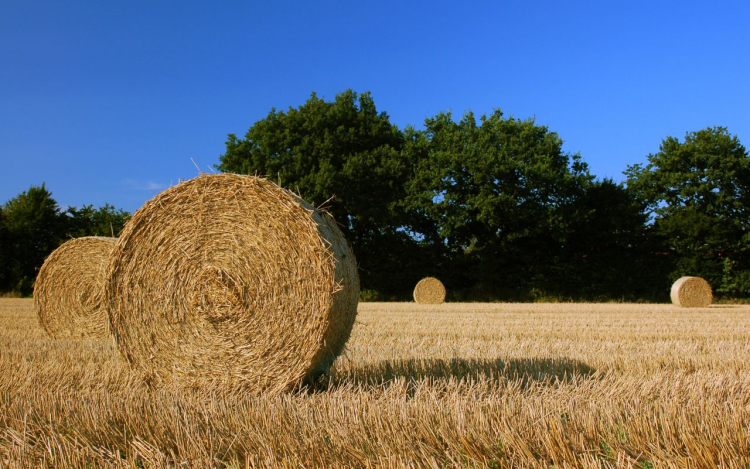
x=451, y=385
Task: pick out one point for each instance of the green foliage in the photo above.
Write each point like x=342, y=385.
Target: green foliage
x=495, y=193
x=5, y=258
x=608, y=248
x=502, y=178
x=496, y=209
x=735, y=280
x=698, y=192
x=343, y=149
x=366, y=295
x=32, y=225
x=90, y=221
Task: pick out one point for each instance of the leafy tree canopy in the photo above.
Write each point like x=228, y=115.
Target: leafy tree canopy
x=698, y=191
x=34, y=228
x=609, y=250
x=495, y=207
x=32, y=225
x=495, y=190
x=343, y=149
x=90, y=221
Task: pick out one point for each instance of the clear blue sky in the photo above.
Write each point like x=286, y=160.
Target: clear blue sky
x=107, y=102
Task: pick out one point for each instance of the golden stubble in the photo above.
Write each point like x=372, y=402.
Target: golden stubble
x=451, y=385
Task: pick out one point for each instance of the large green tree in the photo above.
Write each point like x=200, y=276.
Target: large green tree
x=608, y=250
x=343, y=154
x=5, y=267
x=34, y=226
x=698, y=192
x=496, y=191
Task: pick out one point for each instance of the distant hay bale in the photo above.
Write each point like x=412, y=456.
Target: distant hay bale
x=231, y=282
x=69, y=289
x=691, y=292
x=429, y=291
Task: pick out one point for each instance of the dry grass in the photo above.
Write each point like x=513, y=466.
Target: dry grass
x=454, y=385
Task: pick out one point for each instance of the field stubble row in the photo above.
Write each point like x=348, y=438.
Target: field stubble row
x=453, y=385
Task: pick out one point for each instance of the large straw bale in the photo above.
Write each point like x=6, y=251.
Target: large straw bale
x=429, y=291
x=691, y=292
x=229, y=282
x=69, y=289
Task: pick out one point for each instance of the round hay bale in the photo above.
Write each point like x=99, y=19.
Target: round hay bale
x=429, y=291
x=691, y=292
x=230, y=282
x=69, y=289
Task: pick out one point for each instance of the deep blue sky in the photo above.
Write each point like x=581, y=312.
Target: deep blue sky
x=107, y=102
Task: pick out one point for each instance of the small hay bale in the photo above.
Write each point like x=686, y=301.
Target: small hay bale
x=691, y=292
x=429, y=291
x=69, y=289
x=228, y=282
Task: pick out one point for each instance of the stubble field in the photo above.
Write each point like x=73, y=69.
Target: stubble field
x=455, y=385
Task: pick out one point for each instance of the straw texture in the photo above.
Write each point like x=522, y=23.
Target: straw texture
x=230, y=282
x=691, y=292
x=69, y=289
x=429, y=291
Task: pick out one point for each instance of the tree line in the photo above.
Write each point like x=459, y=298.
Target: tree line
x=491, y=205
x=498, y=211
x=32, y=225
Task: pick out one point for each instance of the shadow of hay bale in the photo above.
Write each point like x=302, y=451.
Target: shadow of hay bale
x=527, y=370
